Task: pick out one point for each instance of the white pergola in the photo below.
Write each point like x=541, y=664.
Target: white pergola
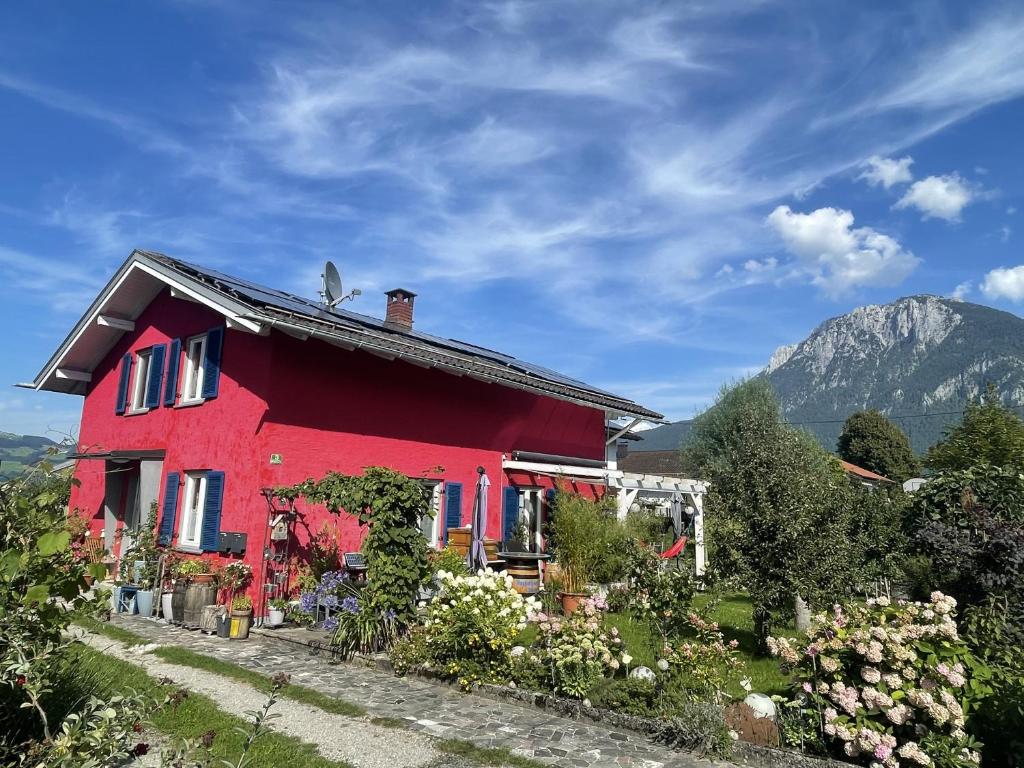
x=630, y=488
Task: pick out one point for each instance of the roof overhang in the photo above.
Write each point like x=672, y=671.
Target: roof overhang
x=145, y=274
x=132, y=288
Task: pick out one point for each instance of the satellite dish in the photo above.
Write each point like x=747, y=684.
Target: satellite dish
x=332, y=285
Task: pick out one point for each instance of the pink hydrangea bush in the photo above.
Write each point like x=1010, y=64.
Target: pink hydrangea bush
x=576, y=651
x=890, y=682
x=705, y=662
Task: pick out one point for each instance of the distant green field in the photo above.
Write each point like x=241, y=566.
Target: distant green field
x=20, y=452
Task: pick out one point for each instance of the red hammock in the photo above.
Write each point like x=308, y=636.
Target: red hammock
x=675, y=549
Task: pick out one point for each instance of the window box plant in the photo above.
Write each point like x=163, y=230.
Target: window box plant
x=278, y=606
x=241, y=617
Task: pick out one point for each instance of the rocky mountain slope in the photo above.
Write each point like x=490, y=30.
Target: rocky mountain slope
x=917, y=359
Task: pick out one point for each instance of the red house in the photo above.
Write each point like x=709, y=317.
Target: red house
x=202, y=389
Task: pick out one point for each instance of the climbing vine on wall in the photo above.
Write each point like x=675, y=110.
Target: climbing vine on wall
x=390, y=504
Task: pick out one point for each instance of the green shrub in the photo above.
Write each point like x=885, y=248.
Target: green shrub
x=582, y=531
x=471, y=625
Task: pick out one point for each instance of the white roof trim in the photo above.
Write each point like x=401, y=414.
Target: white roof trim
x=96, y=312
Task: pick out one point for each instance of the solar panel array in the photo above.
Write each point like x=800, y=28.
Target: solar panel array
x=261, y=296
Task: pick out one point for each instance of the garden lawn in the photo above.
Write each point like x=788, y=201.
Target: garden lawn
x=197, y=715
x=734, y=613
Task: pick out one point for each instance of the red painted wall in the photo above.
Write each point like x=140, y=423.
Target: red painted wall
x=322, y=408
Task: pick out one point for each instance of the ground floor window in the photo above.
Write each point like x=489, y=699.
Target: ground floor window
x=190, y=531
x=430, y=526
x=531, y=518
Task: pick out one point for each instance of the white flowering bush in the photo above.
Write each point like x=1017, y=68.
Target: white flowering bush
x=892, y=683
x=471, y=624
x=572, y=653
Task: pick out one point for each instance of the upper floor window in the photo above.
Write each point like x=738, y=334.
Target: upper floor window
x=195, y=368
x=140, y=385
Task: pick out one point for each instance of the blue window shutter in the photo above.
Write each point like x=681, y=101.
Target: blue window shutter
x=510, y=511
x=211, y=365
x=166, y=531
x=173, y=363
x=122, y=384
x=210, y=540
x=452, y=507
x=156, y=375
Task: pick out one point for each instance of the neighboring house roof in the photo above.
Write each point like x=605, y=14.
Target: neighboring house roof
x=864, y=474
x=254, y=308
x=652, y=463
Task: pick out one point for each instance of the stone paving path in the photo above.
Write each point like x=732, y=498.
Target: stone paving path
x=434, y=709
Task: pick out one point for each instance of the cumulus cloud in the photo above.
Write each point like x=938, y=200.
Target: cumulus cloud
x=941, y=197
x=765, y=265
x=1004, y=283
x=838, y=256
x=887, y=171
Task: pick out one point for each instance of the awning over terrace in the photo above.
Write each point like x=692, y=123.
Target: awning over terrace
x=628, y=487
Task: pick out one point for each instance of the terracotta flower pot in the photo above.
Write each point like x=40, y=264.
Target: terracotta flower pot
x=202, y=578
x=571, y=601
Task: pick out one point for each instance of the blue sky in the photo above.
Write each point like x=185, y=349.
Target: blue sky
x=648, y=196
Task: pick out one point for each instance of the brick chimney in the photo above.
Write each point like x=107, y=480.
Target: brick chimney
x=399, y=311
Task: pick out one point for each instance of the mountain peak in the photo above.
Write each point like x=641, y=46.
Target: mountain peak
x=918, y=355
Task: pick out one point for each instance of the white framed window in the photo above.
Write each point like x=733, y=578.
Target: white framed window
x=430, y=527
x=192, y=382
x=190, y=531
x=141, y=382
x=531, y=516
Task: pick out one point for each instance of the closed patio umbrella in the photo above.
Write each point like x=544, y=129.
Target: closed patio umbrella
x=676, y=510
x=477, y=553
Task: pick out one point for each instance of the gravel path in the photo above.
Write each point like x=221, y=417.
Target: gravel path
x=336, y=737
x=429, y=708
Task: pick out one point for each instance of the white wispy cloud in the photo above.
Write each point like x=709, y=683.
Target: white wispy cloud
x=941, y=197
x=838, y=256
x=887, y=171
x=1004, y=283
x=962, y=290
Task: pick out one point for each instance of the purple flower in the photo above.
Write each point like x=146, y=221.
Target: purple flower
x=307, y=603
x=330, y=624
x=350, y=605
x=330, y=601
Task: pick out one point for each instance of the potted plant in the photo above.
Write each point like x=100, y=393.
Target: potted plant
x=278, y=606
x=241, y=617
x=234, y=576
x=143, y=559
x=579, y=547
x=168, y=593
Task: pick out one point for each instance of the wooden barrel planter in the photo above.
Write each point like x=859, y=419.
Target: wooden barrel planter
x=524, y=568
x=197, y=597
x=525, y=577
x=178, y=602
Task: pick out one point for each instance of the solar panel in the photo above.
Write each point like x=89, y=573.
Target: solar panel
x=260, y=295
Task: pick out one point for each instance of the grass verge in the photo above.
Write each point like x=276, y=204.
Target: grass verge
x=295, y=692
x=485, y=755
x=112, y=631
x=197, y=715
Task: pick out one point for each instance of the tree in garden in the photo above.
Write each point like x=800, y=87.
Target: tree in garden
x=779, y=504
x=871, y=441
x=968, y=529
x=990, y=433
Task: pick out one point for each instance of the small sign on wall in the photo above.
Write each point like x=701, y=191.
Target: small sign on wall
x=275, y=458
